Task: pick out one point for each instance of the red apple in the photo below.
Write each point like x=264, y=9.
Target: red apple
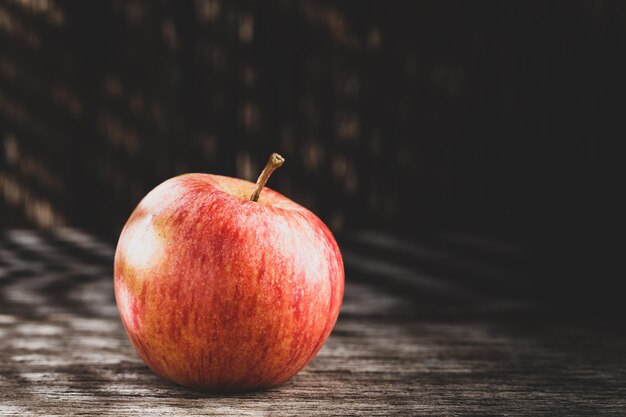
x=220, y=292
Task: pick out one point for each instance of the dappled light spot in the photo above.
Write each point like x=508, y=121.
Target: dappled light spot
x=246, y=168
x=112, y=87
x=46, y=8
x=339, y=166
x=248, y=75
x=7, y=319
x=336, y=220
x=313, y=155
x=32, y=329
x=246, y=28
x=348, y=127
x=134, y=12
x=15, y=27
x=11, y=149
x=66, y=99
x=8, y=67
x=168, y=31
x=250, y=116
x=450, y=79
x=374, y=38
x=119, y=134
x=208, y=10
x=30, y=167
x=37, y=209
x=209, y=146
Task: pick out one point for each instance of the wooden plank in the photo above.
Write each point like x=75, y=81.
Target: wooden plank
x=63, y=350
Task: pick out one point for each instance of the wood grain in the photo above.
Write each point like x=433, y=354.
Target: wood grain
x=409, y=341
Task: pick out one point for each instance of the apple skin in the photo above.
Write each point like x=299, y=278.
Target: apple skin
x=220, y=293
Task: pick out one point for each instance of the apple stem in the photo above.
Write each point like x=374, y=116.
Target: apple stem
x=274, y=162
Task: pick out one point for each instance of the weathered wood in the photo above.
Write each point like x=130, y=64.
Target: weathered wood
x=408, y=342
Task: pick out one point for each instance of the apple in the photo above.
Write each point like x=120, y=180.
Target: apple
x=221, y=291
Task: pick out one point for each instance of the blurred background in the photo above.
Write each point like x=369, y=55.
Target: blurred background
x=505, y=119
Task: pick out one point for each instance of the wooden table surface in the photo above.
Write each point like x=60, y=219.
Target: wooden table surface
x=453, y=326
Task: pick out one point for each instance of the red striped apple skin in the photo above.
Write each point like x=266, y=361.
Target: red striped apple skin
x=221, y=293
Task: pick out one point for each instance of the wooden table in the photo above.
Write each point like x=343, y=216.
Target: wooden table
x=451, y=326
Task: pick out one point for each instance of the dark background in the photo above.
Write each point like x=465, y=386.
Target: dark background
x=499, y=118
